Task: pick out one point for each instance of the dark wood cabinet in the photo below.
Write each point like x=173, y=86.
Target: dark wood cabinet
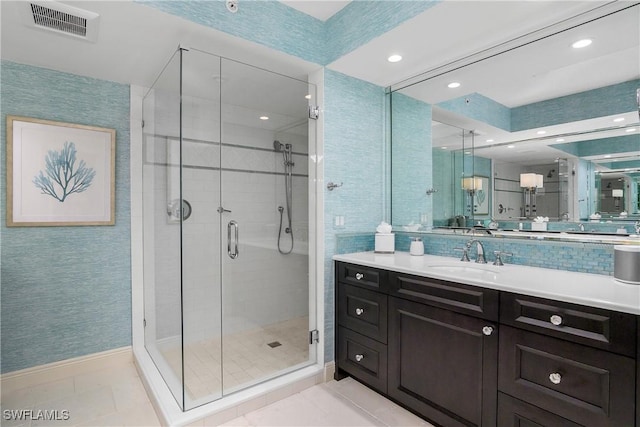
x=466, y=299
x=442, y=364
x=595, y=327
x=463, y=355
x=365, y=277
x=516, y=413
x=586, y=385
x=363, y=311
x=363, y=358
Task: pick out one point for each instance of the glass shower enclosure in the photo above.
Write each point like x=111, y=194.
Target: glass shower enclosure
x=227, y=208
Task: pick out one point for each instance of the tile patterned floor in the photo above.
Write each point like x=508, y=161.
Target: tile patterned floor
x=346, y=403
x=115, y=397
x=247, y=355
x=108, y=397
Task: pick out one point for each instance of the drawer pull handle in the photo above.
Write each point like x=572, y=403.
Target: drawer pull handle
x=556, y=320
x=359, y=276
x=555, y=378
x=359, y=357
x=487, y=330
x=359, y=311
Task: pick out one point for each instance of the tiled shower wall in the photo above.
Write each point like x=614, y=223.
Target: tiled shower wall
x=261, y=286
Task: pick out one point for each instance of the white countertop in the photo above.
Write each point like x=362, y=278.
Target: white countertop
x=593, y=290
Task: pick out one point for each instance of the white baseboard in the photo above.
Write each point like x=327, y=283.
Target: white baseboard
x=329, y=371
x=42, y=374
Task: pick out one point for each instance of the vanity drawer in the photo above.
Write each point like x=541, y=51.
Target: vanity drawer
x=363, y=358
x=365, y=277
x=465, y=299
x=516, y=413
x=585, y=385
x=363, y=311
x=605, y=329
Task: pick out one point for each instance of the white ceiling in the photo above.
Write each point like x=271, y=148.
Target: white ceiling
x=320, y=9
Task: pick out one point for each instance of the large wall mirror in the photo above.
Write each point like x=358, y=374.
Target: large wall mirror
x=538, y=130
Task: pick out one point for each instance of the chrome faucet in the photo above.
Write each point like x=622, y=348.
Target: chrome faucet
x=480, y=250
x=581, y=226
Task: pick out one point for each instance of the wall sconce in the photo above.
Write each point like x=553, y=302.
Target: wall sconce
x=530, y=182
x=617, y=194
x=470, y=185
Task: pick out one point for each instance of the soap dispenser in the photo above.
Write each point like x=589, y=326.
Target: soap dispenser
x=417, y=247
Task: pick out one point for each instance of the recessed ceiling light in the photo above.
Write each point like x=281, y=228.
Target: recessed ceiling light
x=453, y=85
x=607, y=156
x=581, y=43
x=618, y=119
x=489, y=140
x=264, y=118
x=511, y=146
x=307, y=96
x=560, y=140
x=541, y=132
x=631, y=130
x=394, y=58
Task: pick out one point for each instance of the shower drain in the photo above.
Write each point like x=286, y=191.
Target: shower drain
x=274, y=344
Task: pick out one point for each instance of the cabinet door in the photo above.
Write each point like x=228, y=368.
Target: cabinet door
x=442, y=364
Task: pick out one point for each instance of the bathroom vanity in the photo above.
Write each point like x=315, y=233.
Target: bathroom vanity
x=466, y=344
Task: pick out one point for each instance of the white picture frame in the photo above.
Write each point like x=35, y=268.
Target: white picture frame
x=59, y=174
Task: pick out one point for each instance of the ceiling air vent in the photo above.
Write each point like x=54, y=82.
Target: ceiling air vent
x=62, y=19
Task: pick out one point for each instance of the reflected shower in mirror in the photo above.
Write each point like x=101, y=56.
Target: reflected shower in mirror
x=538, y=107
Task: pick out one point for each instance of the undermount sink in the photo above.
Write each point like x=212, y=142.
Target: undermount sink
x=486, y=271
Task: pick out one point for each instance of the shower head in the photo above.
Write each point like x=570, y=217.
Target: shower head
x=278, y=146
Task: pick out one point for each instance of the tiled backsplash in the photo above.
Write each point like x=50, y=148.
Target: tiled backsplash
x=596, y=258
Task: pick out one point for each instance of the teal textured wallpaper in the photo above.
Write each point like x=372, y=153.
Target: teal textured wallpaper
x=269, y=23
x=354, y=155
x=411, y=161
x=66, y=291
x=604, y=101
x=275, y=25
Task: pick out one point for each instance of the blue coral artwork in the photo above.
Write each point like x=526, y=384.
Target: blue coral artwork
x=59, y=174
x=63, y=174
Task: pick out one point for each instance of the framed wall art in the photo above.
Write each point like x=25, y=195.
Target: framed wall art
x=59, y=174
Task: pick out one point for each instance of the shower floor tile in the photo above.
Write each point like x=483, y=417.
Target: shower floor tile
x=248, y=358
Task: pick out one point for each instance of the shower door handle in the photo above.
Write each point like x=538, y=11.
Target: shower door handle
x=234, y=254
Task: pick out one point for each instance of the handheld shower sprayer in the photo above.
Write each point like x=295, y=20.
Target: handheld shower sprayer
x=288, y=164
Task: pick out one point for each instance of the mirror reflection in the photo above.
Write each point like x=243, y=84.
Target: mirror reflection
x=541, y=134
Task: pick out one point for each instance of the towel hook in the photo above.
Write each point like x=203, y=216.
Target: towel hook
x=331, y=186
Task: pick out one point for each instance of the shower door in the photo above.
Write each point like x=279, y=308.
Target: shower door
x=228, y=298
x=265, y=216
